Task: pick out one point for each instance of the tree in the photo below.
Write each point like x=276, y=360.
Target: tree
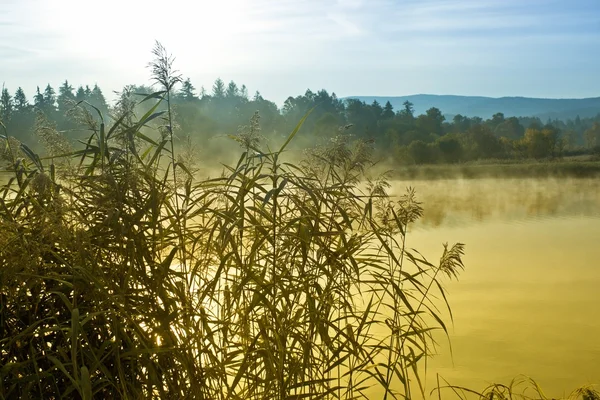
x=257, y=96
x=388, y=111
x=49, y=99
x=460, y=123
x=244, y=92
x=509, y=128
x=496, y=120
x=450, y=148
x=20, y=101
x=408, y=113
x=6, y=106
x=38, y=99
x=419, y=152
x=431, y=122
x=540, y=143
x=362, y=117
x=481, y=143
x=327, y=125
x=570, y=139
x=377, y=109
x=187, y=90
x=232, y=91
x=65, y=97
x=592, y=136
x=22, y=118
x=218, y=90
x=97, y=99
x=80, y=94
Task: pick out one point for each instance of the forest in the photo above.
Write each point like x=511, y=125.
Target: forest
x=399, y=136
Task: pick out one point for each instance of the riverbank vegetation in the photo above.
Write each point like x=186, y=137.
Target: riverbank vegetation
x=126, y=276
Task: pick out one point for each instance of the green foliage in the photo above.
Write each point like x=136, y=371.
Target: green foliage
x=592, y=136
x=206, y=117
x=187, y=91
x=540, y=143
x=219, y=89
x=66, y=97
x=451, y=149
x=420, y=152
x=6, y=106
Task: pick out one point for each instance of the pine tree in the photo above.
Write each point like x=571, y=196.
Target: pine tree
x=388, y=111
x=6, y=106
x=219, y=89
x=20, y=101
x=244, y=92
x=38, y=99
x=257, y=96
x=65, y=97
x=408, y=113
x=377, y=109
x=232, y=90
x=187, y=90
x=49, y=99
x=22, y=118
x=80, y=94
x=97, y=99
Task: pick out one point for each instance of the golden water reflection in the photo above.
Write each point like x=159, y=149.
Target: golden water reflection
x=462, y=202
x=529, y=299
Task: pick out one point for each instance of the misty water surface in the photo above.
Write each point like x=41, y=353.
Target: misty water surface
x=529, y=299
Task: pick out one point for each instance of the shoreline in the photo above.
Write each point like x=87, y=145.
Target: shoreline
x=526, y=169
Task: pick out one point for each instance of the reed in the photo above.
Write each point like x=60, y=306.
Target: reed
x=125, y=276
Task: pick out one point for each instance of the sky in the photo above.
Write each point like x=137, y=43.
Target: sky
x=532, y=48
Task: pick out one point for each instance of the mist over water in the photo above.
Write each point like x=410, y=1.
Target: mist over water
x=464, y=202
x=527, y=301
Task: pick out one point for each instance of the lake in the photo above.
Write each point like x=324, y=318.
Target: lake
x=528, y=301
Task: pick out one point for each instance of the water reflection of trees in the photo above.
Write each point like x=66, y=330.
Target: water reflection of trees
x=462, y=202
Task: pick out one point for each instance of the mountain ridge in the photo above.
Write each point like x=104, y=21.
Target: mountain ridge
x=485, y=107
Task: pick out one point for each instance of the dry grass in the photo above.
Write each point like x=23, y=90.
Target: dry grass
x=124, y=277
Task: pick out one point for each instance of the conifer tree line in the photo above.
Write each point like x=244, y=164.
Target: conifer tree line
x=399, y=136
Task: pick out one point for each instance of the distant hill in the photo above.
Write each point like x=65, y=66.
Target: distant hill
x=485, y=107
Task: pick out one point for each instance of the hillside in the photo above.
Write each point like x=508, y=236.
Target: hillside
x=485, y=107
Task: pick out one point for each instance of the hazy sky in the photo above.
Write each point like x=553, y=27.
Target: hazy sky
x=538, y=48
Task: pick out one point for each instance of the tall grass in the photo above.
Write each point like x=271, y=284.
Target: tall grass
x=123, y=276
